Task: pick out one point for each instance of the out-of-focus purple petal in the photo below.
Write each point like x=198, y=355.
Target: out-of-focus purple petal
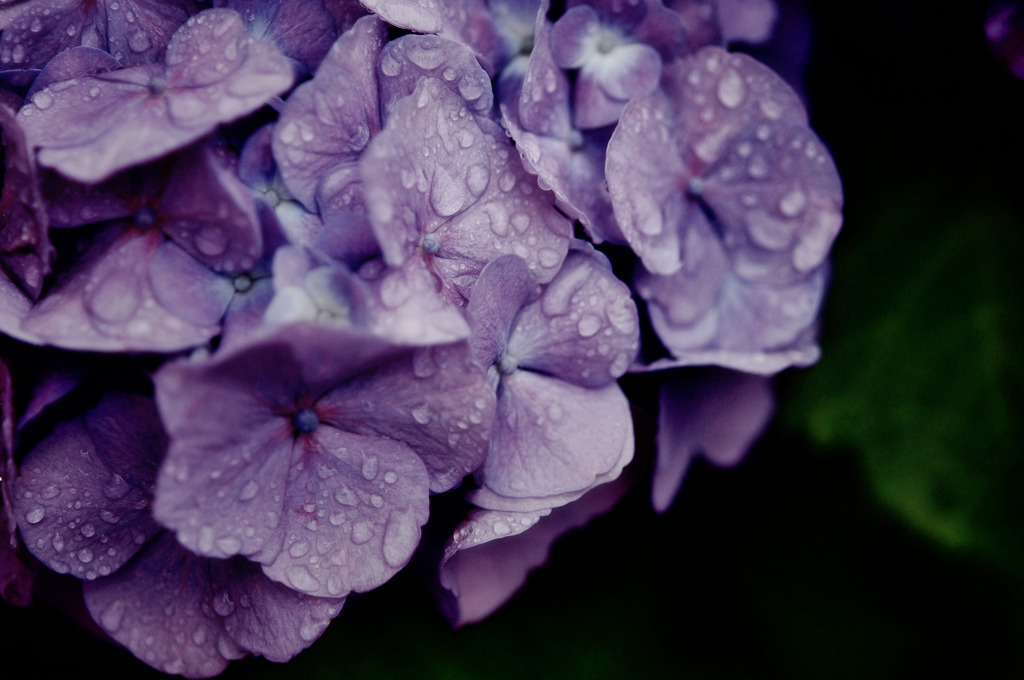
x=108, y=304
x=714, y=413
x=186, y=288
x=302, y=30
x=158, y=606
x=491, y=553
x=209, y=213
x=78, y=61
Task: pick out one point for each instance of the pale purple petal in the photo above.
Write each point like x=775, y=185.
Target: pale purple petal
x=420, y=16
x=552, y=441
x=449, y=189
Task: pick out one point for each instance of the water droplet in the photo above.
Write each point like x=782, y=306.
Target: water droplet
x=731, y=89
x=448, y=195
x=400, y=538
x=229, y=545
x=42, y=100
x=376, y=501
x=421, y=414
x=88, y=530
x=390, y=477
x=249, y=491
x=139, y=42
x=116, y=487
x=370, y=467
x=793, y=202
x=502, y=529
x=362, y=532
x=35, y=515
x=300, y=579
x=85, y=556
x=112, y=616
x=298, y=549
x=588, y=325
x=211, y=241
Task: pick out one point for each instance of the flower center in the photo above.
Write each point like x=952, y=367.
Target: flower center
x=144, y=217
x=305, y=420
x=508, y=364
x=242, y=283
x=157, y=85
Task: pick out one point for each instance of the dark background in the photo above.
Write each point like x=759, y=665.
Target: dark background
x=877, y=530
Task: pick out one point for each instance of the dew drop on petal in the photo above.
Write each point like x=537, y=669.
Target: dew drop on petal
x=731, y=89
x=362, y=532
x=112, y=616
x=793, y=202
x=300, y=579
x=35, y=515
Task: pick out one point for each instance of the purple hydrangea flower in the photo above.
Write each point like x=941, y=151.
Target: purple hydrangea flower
x=89, y=128
x=562, y=423
x=312, y=451
x=83, y=506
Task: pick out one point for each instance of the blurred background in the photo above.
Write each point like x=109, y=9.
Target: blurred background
x=877, y=529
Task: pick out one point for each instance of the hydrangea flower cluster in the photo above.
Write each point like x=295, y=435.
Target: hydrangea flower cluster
x=273, y=273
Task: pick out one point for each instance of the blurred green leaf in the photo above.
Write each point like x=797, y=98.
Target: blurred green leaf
x=922, y=370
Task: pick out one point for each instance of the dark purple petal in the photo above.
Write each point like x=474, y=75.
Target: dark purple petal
x=82, y=500
x=491, y=553
x=302, y=30
x=712, y=413
x=158, y=606
x=209, y=213
x=108, y=304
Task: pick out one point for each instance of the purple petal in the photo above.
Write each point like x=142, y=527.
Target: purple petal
x=419, y=16
x=448, y=188
x=353, y=506
x=712, y=413
x=552, y=441
x=500, y=292
x=491, y=553
x=328, y=121
x=405, y=60
x=108, y=304
x=584, y=329
x=158, y=606
x=82, y=500
x=90, y=127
